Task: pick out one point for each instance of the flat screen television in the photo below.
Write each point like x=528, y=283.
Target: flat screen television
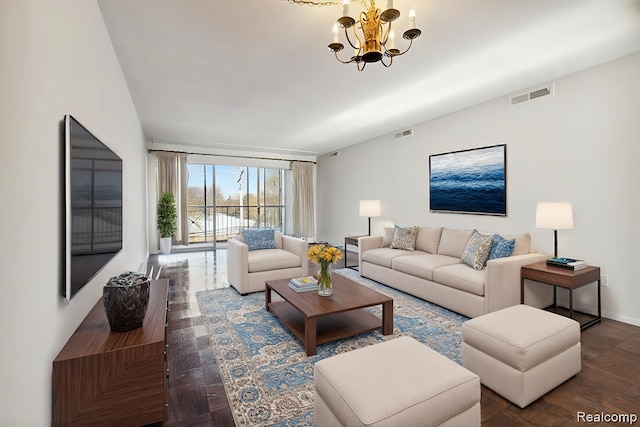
x=93, y=205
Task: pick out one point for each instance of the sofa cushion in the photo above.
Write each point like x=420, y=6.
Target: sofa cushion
x=462, y=277
x=404, y=238
x=421, y=264
x=272, y=259
x=501, y=247
x=387, y=237
x=477, y=251
x=453, y=242
x=383, y=256
x=428, y=239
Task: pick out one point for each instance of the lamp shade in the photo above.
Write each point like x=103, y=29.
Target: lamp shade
x=369, y=208
x=554, y=215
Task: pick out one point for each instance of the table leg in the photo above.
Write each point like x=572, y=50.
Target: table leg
x=521, y=291
x=310, y=335
x=267, y=297
x=345, y=253
x=387, y=318
x=599, y=303
x=571, y=303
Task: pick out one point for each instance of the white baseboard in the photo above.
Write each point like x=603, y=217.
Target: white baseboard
x=621, y=318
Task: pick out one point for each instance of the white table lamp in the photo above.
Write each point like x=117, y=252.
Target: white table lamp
x=369, y=208
x=555, y=216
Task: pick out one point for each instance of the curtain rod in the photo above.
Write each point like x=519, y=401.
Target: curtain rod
x=233, y=156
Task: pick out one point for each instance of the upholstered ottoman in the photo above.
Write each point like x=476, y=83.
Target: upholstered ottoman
x=521, y=352
x=401, y=382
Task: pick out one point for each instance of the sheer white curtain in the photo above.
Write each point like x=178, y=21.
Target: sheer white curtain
x=303, y=207
x=173, y=177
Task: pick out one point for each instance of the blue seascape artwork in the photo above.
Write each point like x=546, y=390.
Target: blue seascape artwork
x=469, y=181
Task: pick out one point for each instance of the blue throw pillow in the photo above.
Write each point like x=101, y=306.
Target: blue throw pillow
x=501, y=247
x=259, y=238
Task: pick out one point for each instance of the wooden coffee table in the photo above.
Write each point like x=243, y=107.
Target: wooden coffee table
x=316, y=320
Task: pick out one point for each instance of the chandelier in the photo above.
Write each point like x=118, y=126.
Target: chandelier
x=372, y=38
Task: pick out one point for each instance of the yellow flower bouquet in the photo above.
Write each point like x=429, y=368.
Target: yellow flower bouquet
x=324, y=255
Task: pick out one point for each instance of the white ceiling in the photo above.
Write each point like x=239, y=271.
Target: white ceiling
x=256, y=75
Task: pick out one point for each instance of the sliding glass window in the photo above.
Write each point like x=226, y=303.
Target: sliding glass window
x=225, y=199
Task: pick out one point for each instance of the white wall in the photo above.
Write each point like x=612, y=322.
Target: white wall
x=581, y=146
x=55, y=58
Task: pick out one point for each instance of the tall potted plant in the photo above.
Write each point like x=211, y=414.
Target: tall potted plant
x=166, y=221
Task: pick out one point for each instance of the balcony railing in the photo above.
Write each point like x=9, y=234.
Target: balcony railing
x=227, y=221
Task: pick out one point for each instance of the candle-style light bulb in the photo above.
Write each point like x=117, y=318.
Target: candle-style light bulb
x=335, y=32
x=412, y=19
x=389, y=4
x=392, y=40
x=345, y=7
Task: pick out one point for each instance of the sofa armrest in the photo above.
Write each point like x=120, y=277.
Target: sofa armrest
x=299, y=247
x=237, y=263
x=502, y=280
x=366, y=243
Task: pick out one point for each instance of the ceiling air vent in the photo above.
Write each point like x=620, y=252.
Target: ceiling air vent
x=334, y=154
x=404, y=133
x=538, y=93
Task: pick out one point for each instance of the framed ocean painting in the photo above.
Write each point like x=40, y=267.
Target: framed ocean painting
x=470, y=181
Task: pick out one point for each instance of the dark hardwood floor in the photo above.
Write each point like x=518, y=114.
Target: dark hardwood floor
x=608, y=383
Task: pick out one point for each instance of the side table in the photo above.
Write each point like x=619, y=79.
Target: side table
x=350, y=240
x=563, y=278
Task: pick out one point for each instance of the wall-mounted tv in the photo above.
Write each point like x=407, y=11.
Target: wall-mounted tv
x=93, y=204
x=472, y=181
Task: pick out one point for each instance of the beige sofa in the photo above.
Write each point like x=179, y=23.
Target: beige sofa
x=434, y=271
x=248, y=270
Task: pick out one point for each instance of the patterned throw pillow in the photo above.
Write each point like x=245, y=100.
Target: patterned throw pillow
x=477, y=251
x=259, y=238
x=501, y=247
x=404, y=238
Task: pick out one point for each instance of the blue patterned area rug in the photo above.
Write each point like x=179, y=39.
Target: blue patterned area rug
x=267, y=376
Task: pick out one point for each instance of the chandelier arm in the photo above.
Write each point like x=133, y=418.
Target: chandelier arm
x=346, y=33
x=405, y=51
x=344, y=62
x=390, y=61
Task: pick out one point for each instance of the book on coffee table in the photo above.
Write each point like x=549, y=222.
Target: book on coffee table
x=302, y=284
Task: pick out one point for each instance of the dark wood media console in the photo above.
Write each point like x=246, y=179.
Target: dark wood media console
x=114, y=378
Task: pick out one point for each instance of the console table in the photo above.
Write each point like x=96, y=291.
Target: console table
x=114, y=378
x=563, y=278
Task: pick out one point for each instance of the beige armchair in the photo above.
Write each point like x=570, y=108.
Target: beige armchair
x=248, y=270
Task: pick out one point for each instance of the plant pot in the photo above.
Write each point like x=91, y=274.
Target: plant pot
x=126, y=298
x=165, y=245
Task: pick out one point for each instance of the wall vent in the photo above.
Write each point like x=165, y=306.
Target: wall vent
x=402, y=134
x=537, y=93
x=334, y=154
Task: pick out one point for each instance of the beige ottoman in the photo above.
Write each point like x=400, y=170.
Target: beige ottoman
x=521, y=352
x=401, y=382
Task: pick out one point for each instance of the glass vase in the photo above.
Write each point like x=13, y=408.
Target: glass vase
x=324, y=281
